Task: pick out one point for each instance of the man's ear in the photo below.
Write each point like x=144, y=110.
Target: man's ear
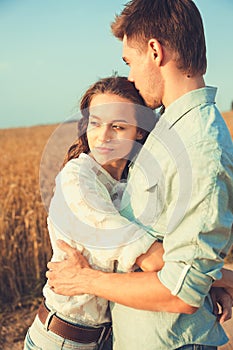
x=156, y=50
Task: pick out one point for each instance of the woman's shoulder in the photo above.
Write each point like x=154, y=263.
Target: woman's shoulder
x=88, y=167
x=85, y=169
x=83, y=162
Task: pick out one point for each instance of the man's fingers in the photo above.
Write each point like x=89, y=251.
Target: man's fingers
x=49, y=274
x=53, y=265
x=65, y=247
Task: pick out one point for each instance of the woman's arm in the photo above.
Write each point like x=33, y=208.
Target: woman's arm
x=83, y=210
x=152, y=260
x=227, y=279
x=222, y=304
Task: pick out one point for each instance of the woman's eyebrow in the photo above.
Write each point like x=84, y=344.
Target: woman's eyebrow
x=112, y=121
x=120, y=121
x=94, y=116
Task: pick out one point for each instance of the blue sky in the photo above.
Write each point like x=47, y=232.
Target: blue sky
x=52, y=50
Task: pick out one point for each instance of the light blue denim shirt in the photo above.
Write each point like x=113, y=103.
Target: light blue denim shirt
x=181, y=189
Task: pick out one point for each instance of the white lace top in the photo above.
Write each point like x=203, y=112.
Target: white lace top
x=83, y=212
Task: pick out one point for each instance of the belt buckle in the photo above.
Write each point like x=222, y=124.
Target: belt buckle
x=104, y=336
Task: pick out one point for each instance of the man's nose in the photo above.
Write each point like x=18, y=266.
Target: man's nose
x=130, y=77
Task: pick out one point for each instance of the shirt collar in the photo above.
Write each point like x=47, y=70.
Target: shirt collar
x=187, y=102
x=101, y=173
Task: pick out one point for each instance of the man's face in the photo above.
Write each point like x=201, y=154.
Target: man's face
x=143, y=73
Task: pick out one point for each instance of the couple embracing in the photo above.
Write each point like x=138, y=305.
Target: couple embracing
x=144, y=207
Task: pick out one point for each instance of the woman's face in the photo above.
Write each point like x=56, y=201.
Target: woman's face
x=112, y=128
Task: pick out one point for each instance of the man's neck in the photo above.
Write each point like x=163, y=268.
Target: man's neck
x=179, y=84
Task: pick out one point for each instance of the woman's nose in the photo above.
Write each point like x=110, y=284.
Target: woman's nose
x=105, y=133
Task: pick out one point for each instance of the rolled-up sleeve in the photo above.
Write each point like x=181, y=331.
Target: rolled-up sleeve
x=195, y=249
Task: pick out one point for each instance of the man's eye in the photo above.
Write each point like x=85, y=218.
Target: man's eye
x=125, y=61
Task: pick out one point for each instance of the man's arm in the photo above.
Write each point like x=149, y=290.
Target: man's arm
x=74, y=276
x=152, y=260
x=141, y=290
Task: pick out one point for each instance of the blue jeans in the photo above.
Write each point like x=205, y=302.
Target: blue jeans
x=197, y=347
x=38, y=338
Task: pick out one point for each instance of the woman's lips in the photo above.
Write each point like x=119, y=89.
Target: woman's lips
x=104, y=150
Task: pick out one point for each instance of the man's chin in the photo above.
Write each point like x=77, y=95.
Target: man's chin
x=151, y=103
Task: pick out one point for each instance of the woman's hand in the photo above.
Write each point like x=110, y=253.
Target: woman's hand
x=152, y=260
x=221, y=298
x=229, y=291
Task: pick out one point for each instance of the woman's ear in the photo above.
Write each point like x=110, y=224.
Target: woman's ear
x=140, y=134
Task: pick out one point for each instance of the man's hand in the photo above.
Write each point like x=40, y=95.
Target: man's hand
x=223, y=299
x=66, y=277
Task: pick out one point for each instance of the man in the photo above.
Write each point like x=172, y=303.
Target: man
x=186, y=195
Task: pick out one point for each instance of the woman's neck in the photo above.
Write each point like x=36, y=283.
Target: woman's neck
x=116, y=168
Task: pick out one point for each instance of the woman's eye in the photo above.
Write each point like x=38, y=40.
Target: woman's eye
x=118, y=127
x=94, y=124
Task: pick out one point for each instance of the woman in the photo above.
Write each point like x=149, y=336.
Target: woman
x=83, y=211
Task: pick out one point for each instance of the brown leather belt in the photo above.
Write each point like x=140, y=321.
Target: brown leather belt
x=78, y=333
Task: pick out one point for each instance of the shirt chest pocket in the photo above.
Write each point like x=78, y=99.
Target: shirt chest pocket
x=155, y=202
x=147, y=198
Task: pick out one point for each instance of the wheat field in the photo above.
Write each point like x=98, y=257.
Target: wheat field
x=24, y=242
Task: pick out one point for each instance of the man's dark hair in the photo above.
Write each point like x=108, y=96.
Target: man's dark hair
x=176, y=24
